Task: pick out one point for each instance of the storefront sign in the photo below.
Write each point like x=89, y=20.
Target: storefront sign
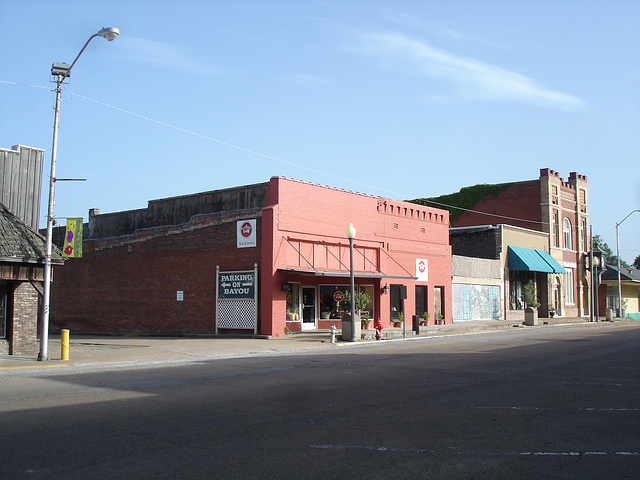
x=246, y=233
x=422, y=270
x=236, y=285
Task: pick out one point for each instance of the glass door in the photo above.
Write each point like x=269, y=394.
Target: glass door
x=308, y=308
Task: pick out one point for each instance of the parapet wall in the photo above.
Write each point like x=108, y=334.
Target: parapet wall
x=175, y=210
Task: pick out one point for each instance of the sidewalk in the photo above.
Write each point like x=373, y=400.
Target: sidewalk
x=114, y=351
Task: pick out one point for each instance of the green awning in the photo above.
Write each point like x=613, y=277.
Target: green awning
x=521, y=258
x=553, y=263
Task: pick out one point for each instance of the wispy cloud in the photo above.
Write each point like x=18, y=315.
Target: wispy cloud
x=167, y=55
x=470, y=79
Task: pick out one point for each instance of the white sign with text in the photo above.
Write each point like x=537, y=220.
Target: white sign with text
x=246, y=234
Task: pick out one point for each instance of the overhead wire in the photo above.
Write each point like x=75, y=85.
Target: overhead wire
x=292, y=164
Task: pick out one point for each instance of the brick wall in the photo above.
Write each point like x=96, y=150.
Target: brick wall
x=520, y=200
x=477, y=242
x=25, y=320
x=129, y=283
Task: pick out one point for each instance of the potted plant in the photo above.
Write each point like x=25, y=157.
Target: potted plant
x=365, y=321
x=440, y=318
x=529, y=293
x=398, y=322
x=552, y=312
x=624, y=308
x=425, y=319
x=351, y=326
x=361, y=301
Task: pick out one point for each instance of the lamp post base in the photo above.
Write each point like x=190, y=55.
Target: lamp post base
x=347, y=334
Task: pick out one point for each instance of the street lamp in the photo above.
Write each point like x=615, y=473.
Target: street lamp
x=618, y=255
x=596, y=269
x=351, y=234
x=61, y=71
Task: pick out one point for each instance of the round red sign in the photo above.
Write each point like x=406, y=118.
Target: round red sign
x=245, y=229
x=338, y=296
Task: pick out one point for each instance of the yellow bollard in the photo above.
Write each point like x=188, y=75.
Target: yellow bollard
x=64, y=344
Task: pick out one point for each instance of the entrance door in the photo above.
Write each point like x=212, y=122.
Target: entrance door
x=438, y=295
x=308, y=308
x=556, y=297
x=421, y=300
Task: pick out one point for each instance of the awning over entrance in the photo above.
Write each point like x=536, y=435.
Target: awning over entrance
x=342, y=273
x=521, y=258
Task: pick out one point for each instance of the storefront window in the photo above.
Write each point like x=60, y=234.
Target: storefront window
x=368, y=310
x=330, y=296
x=517, y=279
x=568, y=286
x=396, y=302
x=293, y=302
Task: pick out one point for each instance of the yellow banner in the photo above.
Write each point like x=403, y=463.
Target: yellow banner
x=73, y=238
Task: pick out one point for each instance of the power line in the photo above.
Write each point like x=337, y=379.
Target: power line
x=270, y=157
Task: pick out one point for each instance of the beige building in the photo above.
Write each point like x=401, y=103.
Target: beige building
x=492, y=264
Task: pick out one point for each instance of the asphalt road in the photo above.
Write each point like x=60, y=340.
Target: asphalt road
x=562, y=402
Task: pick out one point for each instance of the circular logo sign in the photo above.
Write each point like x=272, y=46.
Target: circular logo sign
x=338, y=296
x=421, y=266
x=245, y=229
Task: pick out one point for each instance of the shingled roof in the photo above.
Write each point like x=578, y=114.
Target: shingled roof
x=19, y=243
x=626, y=274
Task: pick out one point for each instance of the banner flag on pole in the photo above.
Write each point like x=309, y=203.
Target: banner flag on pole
x=73, y=238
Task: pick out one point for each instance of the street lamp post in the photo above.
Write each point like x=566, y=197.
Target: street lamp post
x=618, y=255
x=351, y=234
x=61, y=71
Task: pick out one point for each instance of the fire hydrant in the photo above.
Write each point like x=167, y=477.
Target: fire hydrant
x=379, y=328
x=333, y=333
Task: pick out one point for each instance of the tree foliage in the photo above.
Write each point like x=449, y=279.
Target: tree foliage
x=529, y=292
x=466, y=198
x=607, y=254
x=636, y=262
x=362, y=300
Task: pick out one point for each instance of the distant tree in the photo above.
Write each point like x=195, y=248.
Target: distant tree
x=636, y=262
x=607, y=253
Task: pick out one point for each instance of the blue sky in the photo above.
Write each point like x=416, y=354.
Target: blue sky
x=401, y=99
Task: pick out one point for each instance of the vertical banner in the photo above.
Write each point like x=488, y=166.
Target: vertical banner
x=72, y=247
x=246, y=233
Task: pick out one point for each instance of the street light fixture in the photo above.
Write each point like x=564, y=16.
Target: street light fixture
x=618, y=255
x=597, y=267
x=61, y=71
x=351, y=234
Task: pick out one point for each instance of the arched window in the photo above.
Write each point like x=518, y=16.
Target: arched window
x=566, y=233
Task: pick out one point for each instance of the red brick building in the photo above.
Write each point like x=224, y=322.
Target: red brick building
x=265, y=258
x=553, y=206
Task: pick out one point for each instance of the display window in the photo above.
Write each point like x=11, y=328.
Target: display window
x=293, y=302
x=331, y=295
